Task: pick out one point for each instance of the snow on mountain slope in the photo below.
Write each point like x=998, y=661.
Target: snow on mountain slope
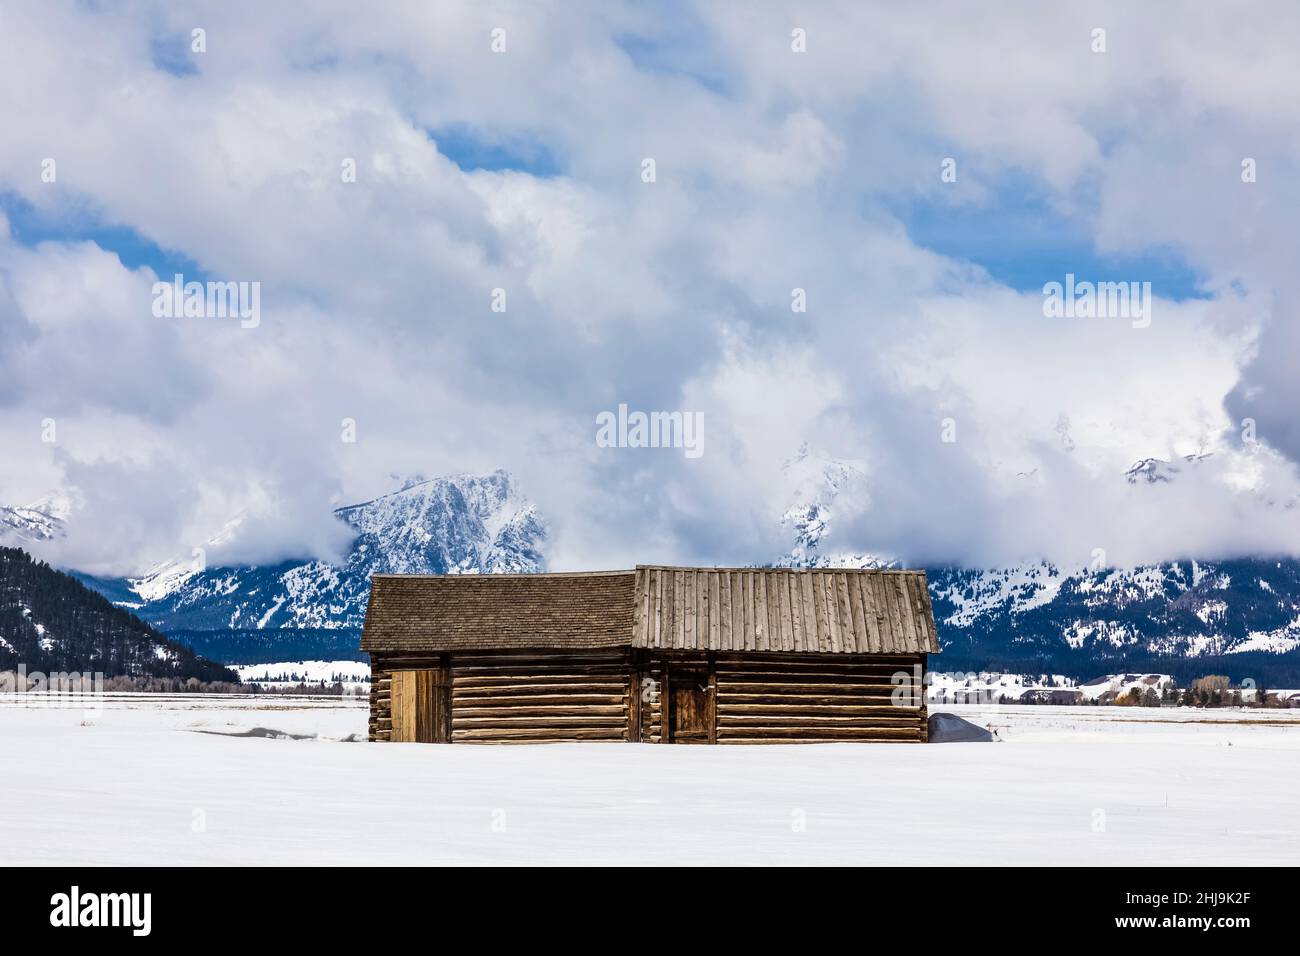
x=1041, y=615
x=1035, y=616
x=1178, y=609
x=1279, y=640
x=1021, y=587
x=467, y=524
x=820, y=487
x=51, y=623
x=170, y=576
x=1156, y=470
x=42, y=520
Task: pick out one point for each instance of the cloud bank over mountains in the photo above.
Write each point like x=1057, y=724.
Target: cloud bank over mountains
x=987, y=432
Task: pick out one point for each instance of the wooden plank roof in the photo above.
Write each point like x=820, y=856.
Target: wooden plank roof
x=811, y=611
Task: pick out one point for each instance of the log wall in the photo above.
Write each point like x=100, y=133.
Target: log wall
x=780, y=699
x=526, y=697
x=539, y=697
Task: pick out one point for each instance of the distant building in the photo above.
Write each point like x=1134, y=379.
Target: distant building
x=657, y=654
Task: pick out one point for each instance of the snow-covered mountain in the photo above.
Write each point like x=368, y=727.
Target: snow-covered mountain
x=1036, y=617
x=50, y=623
x=1155, y=470
x=468, y=524
x=1183, y=609
x=42, y=520
x=1240, y=615
x=819, y=488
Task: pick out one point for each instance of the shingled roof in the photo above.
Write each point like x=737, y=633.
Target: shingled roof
x=452, y=612
x=684, y=609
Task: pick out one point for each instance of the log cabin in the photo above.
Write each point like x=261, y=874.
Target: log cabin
x=652, y=655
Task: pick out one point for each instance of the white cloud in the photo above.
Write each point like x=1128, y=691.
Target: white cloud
x=781, y=170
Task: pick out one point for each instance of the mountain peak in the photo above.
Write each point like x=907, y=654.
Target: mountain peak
x=42, y=520
x=1157, y=470
x=408, y=481
x=461, y=524
x=820, y=487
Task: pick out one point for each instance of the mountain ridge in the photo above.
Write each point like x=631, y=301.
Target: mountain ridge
x=52, y=623
x=461, y=524
x=1033, y=616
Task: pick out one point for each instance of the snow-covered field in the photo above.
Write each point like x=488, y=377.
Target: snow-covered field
x=191, y=780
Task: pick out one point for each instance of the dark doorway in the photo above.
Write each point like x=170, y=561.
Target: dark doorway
x=689, y=713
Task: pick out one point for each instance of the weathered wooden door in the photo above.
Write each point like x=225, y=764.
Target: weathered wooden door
x=421, y=706
x=689, y=714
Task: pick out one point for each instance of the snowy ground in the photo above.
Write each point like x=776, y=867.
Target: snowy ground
x=150, y=780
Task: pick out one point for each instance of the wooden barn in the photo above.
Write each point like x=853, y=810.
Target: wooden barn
x=656, y=655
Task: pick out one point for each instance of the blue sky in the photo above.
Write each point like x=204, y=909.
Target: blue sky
x=473, y=149
x=1017, y=235
x=1022, y=241
x=29, y=226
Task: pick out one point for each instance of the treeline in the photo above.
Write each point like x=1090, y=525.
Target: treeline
x=52, y=623
x=1217, y=690
x=317, y=689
